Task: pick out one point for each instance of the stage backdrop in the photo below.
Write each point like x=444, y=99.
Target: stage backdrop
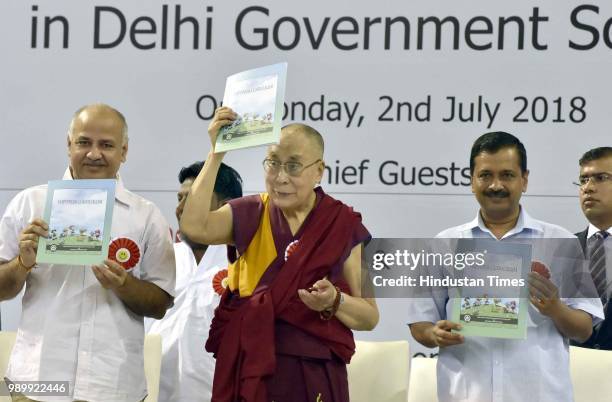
x=400, y=90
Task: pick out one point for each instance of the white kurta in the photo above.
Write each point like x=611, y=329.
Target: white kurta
x=187, y=369
x=482, y=369
x=71, y=328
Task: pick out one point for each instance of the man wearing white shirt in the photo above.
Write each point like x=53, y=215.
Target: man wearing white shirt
x=187, y=369
x=79, y=324
x=595, y=183
x=482, y=369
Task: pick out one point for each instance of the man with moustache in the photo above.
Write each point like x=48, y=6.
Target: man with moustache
x=187, y=369
x=595, y=183
x=84, y=325
x=488, y=369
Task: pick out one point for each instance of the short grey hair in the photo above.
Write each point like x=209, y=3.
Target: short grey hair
x=120, y=115
x=310, y=133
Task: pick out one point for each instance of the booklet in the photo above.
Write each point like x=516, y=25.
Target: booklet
x=257, y=97
x=496, y=306
x=79, y=214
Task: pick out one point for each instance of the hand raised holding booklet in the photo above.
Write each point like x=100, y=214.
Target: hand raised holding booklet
x=284, y=242
x=257, y=97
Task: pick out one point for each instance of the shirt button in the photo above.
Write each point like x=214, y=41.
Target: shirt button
x=596, y=346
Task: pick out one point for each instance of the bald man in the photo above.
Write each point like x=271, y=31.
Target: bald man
x=83, y=325
x=282, y=330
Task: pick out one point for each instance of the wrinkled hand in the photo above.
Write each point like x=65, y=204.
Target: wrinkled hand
x=442, y=336
x=28, y=240
x=320, y=296
x=543, y=294
x=111, y=275
x=223, y=117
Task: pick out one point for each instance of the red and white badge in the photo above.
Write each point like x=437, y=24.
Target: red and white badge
x=291, y=247
x=124, y=251
x=219, y=282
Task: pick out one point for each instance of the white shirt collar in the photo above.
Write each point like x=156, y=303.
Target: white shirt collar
x=594, y=229
x=524, y=222
x=121, y=194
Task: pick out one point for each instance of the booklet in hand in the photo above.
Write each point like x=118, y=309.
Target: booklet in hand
x=257, y=97
x=79, y=214
x=496, y=303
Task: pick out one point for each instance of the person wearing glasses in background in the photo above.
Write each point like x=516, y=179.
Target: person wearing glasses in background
x=595, y=183
x=282, y=330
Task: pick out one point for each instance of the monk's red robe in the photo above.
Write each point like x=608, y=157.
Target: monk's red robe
x=242, y=334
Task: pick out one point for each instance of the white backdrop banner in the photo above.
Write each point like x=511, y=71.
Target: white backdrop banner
x=399, y=90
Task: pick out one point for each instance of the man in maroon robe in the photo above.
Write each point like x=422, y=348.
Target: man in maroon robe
x=297, y=261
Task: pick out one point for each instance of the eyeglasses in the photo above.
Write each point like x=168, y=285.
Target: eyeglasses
x=293, y=169
x=597, y=178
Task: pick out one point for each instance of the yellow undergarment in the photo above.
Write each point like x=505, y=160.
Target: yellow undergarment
x=245, y=273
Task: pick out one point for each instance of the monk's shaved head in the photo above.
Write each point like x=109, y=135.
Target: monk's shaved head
x=315, y=138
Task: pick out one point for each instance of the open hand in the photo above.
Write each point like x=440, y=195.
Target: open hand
x=111, y=275
x=320, y=296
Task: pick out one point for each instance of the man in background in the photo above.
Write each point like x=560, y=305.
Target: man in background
x=187, y=369
x=595, y=182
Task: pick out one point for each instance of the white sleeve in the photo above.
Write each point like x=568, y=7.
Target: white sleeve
x=429, y=309
x=11, y=225
x=158, y=264
x=591, y=306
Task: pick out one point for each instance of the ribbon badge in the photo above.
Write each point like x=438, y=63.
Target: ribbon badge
x=124, y=251
x=219, y=282
x=291, y=247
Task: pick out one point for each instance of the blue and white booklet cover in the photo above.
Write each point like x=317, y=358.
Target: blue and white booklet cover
x=257, y=96
x=79, y=214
